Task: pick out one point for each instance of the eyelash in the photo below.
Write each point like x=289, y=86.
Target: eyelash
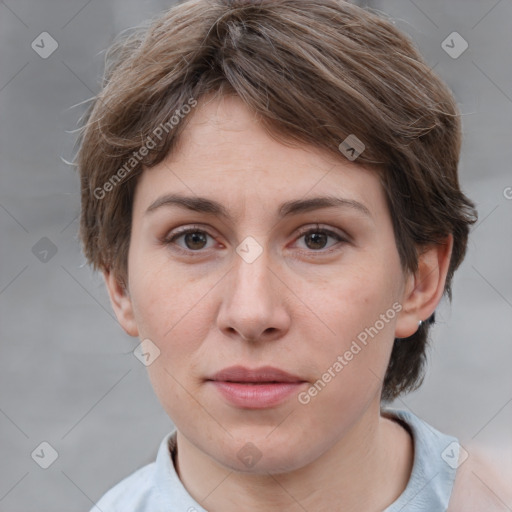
x=171, y=239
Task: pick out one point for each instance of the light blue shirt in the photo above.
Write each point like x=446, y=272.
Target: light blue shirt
x=157, y=488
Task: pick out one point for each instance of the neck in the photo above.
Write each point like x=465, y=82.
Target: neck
x=366, y=470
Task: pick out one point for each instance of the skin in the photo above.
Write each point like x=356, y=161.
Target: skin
x=480, y=485
x=298, y=306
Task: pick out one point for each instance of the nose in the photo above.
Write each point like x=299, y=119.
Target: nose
x=254, y=305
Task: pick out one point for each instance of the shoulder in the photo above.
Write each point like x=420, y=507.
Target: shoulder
x=133, y=493
x=480, y=487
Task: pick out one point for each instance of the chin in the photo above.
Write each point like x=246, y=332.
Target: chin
x=258, y=452
x=264, y=462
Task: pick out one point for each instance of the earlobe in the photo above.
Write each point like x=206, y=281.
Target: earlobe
x=424, y=289
x=121, y=303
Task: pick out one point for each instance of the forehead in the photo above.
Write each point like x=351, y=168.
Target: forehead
x=225, y=153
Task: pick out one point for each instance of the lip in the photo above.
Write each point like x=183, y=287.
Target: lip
x=257, y=388
x=263, y=374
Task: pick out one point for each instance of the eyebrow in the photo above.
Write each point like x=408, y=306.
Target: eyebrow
x=205, y=205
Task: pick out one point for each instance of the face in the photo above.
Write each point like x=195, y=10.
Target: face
x=262, y=276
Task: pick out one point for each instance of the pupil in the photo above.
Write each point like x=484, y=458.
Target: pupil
x=195, y=238
x=317, y=238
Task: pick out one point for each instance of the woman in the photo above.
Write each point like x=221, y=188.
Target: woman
x=270, y=190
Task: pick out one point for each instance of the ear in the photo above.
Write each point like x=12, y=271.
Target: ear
x=424, y=289
x=121, y=303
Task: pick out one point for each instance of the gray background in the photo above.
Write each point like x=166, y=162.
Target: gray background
x=67, y=372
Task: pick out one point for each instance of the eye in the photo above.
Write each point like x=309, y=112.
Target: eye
x=317, y=238
x=195, y=239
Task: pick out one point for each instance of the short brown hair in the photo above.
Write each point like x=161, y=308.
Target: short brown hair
x=316, y=71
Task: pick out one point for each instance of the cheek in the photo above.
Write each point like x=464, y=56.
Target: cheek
x=164, y=297
x=355, y=300
x=176, y=316
x=360, y=311
x=175, y=312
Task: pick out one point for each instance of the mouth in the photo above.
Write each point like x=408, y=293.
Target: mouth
x=264, y=374
x=258, y=388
